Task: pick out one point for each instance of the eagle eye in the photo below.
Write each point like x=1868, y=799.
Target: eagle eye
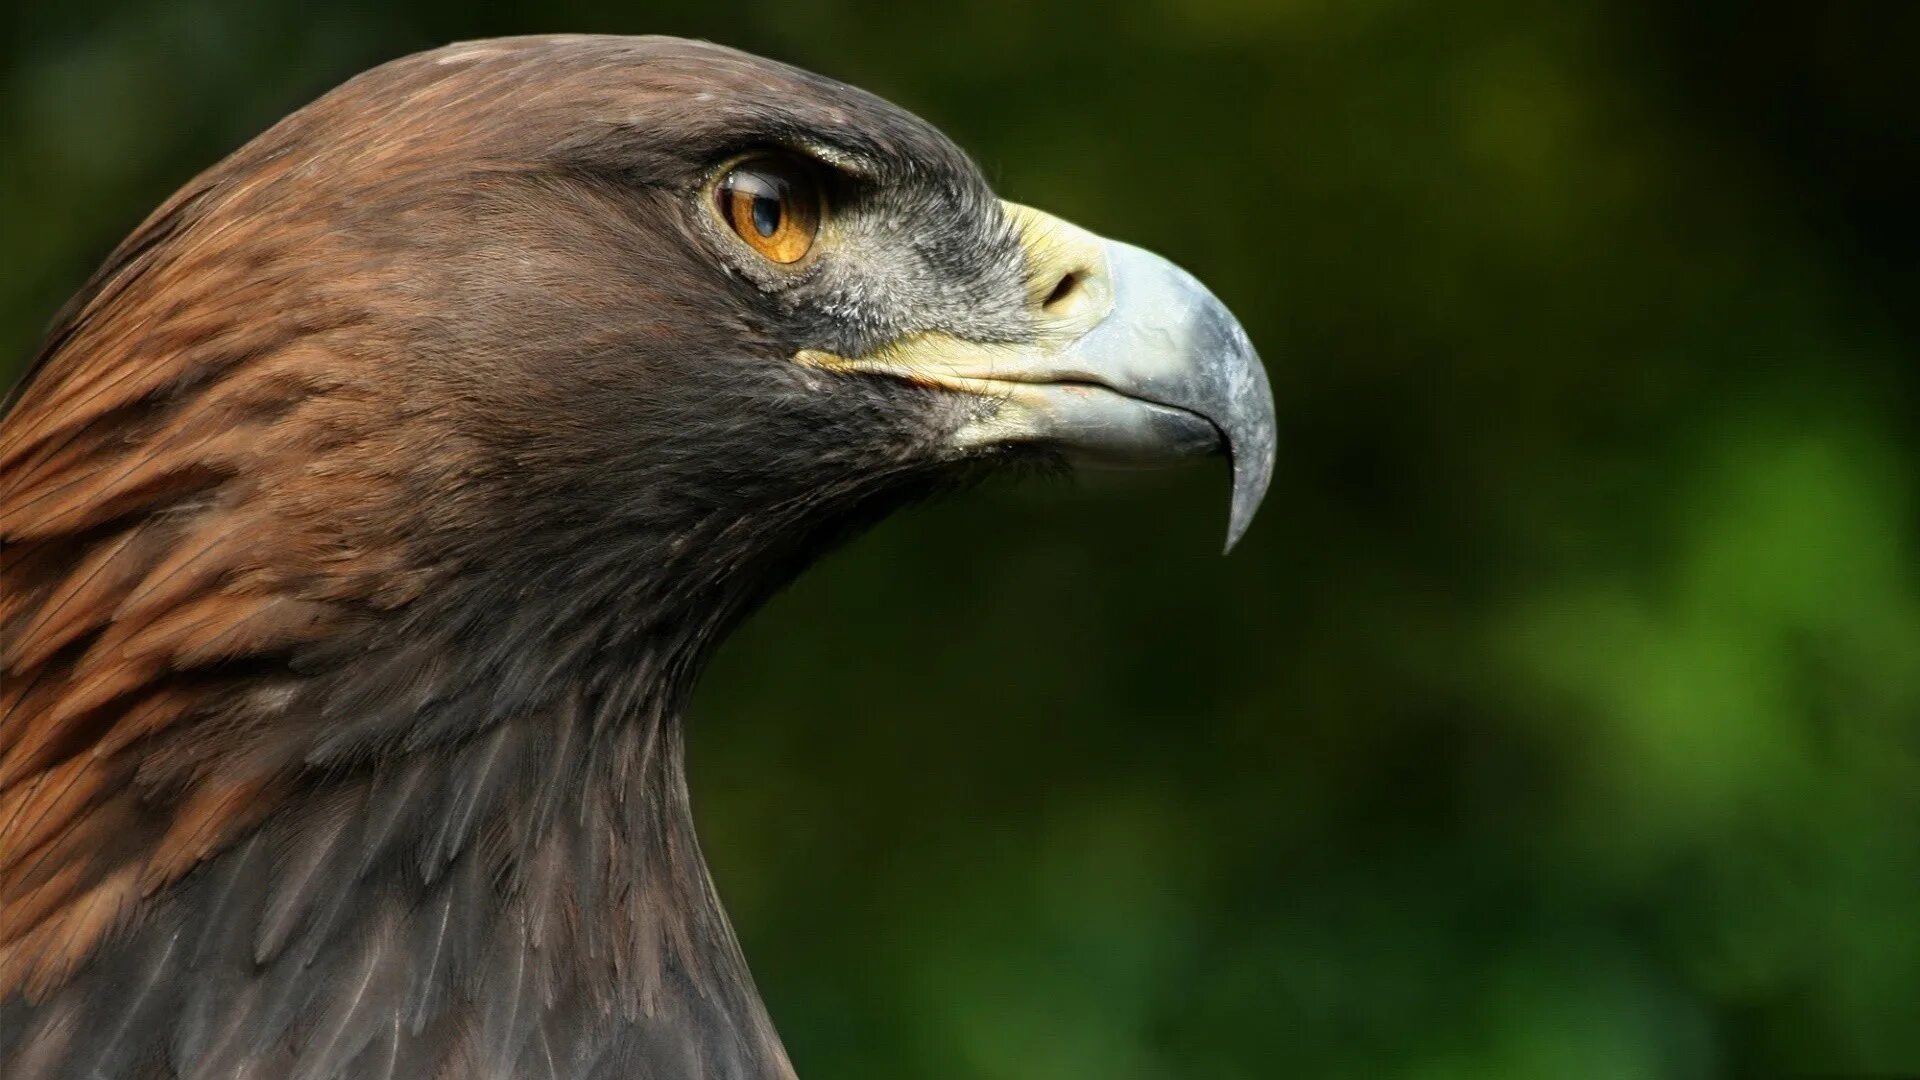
x=772, y=203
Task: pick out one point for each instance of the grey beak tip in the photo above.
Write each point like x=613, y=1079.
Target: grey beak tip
x=1236, y=529
x=1249, y=428
x=1249, y=489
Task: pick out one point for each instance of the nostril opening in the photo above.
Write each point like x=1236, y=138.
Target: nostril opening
x=1063, y=290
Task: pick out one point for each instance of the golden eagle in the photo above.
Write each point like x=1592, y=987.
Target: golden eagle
x=370, y=514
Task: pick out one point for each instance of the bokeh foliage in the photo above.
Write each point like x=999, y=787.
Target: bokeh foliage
x=1559, y=717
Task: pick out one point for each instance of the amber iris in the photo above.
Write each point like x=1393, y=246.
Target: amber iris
x=774, y=205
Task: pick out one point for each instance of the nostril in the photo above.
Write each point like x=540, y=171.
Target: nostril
x=1063, y=291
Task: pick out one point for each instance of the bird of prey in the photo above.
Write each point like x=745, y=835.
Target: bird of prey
x=370, y=514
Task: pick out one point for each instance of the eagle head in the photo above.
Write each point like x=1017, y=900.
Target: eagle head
x=370, y=513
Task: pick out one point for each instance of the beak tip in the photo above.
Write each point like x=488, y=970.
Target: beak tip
x=1249, y=489
x=1251, y=440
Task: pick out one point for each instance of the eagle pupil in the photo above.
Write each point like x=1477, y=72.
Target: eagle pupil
x=766, y=215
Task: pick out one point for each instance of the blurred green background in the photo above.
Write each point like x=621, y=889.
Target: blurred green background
x=1560, y=718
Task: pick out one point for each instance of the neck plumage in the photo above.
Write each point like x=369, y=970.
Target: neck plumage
x=508, y=890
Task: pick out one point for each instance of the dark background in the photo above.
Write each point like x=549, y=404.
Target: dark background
x=1558, y=719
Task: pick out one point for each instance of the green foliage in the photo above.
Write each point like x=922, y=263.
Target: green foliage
x=1558, y=717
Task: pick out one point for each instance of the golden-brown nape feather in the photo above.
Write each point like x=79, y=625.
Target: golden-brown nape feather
x=136, y=509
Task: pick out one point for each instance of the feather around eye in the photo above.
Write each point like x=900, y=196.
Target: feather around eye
x=774, y=205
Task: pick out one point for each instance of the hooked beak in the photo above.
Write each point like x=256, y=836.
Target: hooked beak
x=1134, y=362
